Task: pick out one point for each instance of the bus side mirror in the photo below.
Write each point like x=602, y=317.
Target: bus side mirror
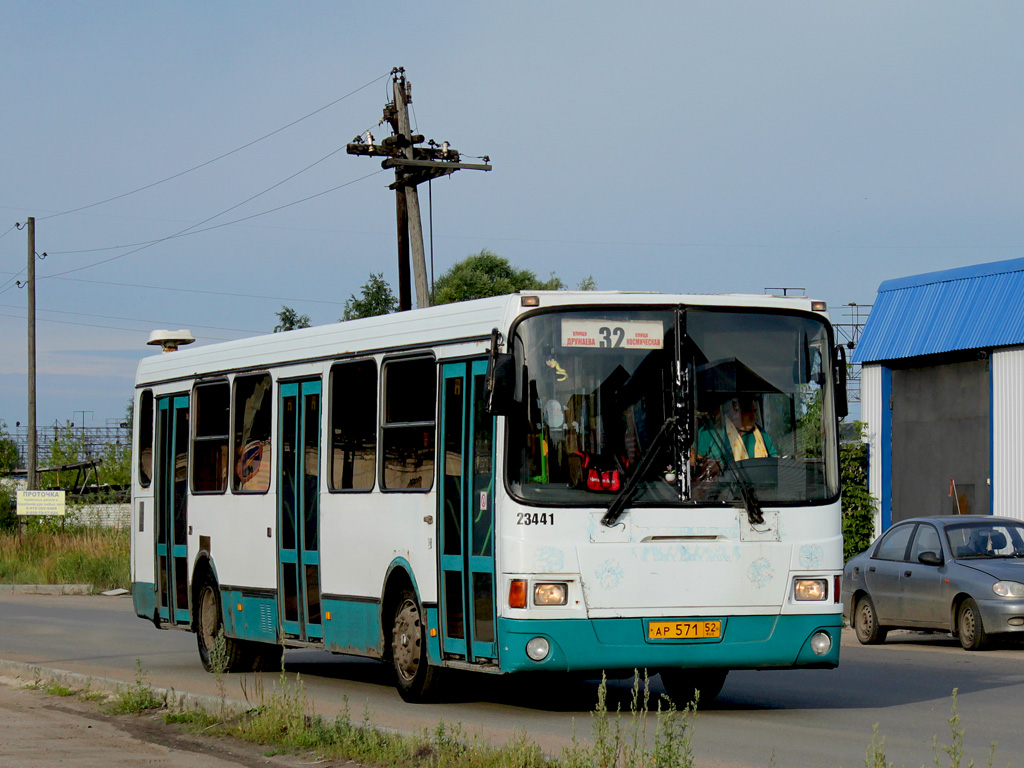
x=501, y=379
x=839, y=378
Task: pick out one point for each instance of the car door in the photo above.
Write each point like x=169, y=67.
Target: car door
x=922, y=593
x=882, y=575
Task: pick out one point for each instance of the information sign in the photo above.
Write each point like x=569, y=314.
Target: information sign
x=610, y=334
x=40, y=502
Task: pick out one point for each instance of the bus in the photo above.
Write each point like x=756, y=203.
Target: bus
x=554, y=481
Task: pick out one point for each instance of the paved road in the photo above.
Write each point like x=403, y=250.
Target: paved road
x=803, y=718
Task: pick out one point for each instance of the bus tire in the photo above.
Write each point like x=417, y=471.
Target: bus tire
x=238, y=655
x=416, y=680
x=690, y=686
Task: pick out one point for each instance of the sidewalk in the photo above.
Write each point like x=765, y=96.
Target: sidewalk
x=41, y=730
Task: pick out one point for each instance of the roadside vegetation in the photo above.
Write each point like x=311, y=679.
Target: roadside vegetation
x=858, y=504
x=79, y=554
x=652, y=733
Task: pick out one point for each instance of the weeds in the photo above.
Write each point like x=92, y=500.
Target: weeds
x=284, y=721
x=80, y=555
x=136, y=698
x=876, y=757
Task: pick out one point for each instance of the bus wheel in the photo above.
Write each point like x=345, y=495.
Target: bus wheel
x=235, y=655
x=415, y=679
x=688, y=686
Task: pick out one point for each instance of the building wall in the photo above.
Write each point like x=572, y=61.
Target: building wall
x=871, y=415
x=1008, y=432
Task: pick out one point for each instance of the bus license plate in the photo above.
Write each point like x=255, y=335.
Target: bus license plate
x=684, y=630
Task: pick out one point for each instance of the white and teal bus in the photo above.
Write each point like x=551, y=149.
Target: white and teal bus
x=549, y=481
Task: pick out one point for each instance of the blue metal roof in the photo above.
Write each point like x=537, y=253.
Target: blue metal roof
x=976, y=307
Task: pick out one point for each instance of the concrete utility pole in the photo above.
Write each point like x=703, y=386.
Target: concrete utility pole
x=413, y=165
x=32, y=448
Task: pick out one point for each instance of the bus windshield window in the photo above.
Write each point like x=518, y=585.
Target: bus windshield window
x=762, y=401
x=596, y=389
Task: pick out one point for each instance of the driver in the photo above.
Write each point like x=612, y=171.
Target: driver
x=734, y=430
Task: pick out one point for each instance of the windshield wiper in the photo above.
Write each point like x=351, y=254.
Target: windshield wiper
x=618, y=505
x=755, y=516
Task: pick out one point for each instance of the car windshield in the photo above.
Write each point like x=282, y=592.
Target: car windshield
x=596, y=389
x=985, y=539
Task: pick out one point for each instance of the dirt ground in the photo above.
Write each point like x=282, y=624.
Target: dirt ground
x=40, y=730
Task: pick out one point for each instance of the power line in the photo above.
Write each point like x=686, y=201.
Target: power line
x=204, y=221
x=199, y=291
x=220, y=157
x=186, y=232
x=140, y=320
x=95, y=325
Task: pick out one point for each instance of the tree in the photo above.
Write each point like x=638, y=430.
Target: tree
x=378, y=299
x=858, y=503
x=8, y=461
x=289, y=320
x=487, y=274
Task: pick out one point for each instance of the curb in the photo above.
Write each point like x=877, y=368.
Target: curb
x=175, y=700
x=46, y=589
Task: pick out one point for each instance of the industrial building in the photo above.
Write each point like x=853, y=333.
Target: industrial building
x=942, y=391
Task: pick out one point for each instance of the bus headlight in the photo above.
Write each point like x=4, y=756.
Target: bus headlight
x=810, y=589
x=821, y=643
x=1008, y=589
x=538, y=648
x=550, y=594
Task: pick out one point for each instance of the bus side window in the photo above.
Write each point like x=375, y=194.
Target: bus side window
x=252, y=420
x=210, y=438
x=353, y=426
x=407, y=430
x=144, y=418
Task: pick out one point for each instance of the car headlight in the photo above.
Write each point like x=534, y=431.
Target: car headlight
x=1008, y=589
x=810, y=589
x=550, y=594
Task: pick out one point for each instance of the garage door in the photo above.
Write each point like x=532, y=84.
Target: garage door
x=940, y=440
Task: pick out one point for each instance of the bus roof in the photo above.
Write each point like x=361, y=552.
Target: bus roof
x=468, y=321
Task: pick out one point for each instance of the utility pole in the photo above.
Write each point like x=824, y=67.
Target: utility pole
x=413, y=165
x=32, y=448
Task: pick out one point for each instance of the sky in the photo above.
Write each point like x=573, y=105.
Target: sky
x=691, y=147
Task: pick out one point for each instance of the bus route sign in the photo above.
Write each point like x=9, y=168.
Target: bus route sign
x=41, y=503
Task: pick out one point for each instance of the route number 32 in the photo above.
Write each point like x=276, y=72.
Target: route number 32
x=611, y=337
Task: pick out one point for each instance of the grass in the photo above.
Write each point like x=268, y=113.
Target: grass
x=87, y=555
x=651, y=734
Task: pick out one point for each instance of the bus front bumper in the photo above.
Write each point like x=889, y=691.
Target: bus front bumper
x=746, y=642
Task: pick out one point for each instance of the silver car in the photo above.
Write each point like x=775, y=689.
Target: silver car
x=960, y=574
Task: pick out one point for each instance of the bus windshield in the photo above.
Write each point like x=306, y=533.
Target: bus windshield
x=745, y=397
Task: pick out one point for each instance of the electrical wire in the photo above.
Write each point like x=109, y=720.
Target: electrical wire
x=185, y=233
x=200, y=291
x=96, y=325
x=138, y=320
x=13, y=227
x=219, y=157
x=204, y=221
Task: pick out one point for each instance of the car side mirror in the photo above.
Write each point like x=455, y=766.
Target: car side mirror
x=929, y=558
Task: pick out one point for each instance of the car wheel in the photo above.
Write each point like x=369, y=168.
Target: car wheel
x=416, y=680
x=685, y=686
x=970, y=627
x=865, y=622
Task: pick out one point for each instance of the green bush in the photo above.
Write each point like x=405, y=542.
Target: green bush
x=858, y=504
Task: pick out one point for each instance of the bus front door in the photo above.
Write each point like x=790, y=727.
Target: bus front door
x=466, y=515
x=298, y=511
x=171, y=507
